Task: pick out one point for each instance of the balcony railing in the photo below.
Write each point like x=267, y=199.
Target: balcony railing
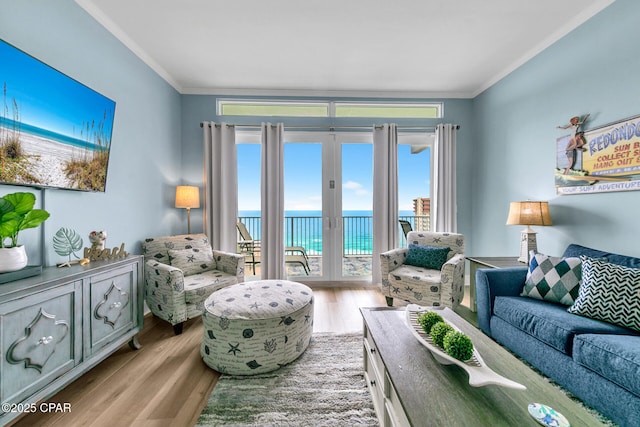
x=357, y=232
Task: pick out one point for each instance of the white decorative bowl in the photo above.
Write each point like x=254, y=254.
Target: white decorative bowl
x=479, y=373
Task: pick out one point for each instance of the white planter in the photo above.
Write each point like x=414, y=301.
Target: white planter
x=12, y=259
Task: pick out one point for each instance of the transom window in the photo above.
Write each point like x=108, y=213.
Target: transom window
x=329, y=109
x=281, y=109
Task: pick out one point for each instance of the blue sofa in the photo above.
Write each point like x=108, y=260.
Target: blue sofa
x=596, y=361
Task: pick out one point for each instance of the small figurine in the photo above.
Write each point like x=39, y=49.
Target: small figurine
x=576, y=142
x=98, y=239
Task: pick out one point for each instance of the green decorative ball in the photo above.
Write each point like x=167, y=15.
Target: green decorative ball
x=438, y=331
x=458, y=345
x=427, y=319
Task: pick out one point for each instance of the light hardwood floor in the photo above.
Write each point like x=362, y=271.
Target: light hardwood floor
x=165, y=383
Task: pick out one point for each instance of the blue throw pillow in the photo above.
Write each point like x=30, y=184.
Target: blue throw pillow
x=429, y=257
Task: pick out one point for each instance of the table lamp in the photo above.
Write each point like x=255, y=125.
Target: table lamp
x=187, y=197
x=528, y=213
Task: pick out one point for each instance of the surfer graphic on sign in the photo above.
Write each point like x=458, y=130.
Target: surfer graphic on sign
x=576, y=142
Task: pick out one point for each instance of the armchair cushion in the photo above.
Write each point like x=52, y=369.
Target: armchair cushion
x=416, y=284
x=198, y=287
x=429, y=257
x=192, y=260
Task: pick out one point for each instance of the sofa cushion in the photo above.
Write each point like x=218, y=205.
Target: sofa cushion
x=553, y=279
x=615, y=357
x=424, y=256
x=574, y=250
x=549, y=322
x=192, y=260
x=609, y=292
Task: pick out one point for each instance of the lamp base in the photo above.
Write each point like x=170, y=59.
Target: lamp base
x=527, y=243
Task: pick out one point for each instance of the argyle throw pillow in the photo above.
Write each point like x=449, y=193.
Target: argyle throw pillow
x=553, y=279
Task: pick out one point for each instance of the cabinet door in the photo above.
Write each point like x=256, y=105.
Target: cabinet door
x=40, y=340
x=113, y=305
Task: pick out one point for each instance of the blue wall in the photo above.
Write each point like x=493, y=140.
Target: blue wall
x=145, y=160
x=594, y=69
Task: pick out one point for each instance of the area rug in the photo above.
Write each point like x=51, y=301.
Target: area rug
x=323, y=387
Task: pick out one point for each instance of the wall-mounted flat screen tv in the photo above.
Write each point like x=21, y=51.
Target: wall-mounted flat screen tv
x=55, y=132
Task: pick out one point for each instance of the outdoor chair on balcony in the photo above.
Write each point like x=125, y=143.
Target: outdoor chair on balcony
x=430, y=272
x=406, y=227
x=250, y=248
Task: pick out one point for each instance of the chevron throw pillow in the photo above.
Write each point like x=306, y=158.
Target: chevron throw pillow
x=609, y=292
x=553, y=279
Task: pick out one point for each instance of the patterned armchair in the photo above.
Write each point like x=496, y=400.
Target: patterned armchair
x=422, y=285
x=181, y=272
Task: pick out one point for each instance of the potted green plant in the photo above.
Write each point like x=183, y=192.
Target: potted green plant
x=16, y=214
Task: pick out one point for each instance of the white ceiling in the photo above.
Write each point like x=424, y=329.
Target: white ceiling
x=423, y=48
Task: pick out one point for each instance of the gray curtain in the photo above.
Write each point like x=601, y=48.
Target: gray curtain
x=444, y=213
x=272, y=185
x=221, y=185
x=385, y=194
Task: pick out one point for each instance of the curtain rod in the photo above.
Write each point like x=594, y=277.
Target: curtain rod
x=329, y=127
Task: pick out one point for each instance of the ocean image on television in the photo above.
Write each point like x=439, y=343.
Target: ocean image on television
x=54, y=131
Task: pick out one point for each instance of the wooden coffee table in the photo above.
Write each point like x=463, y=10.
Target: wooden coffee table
x=410, y=388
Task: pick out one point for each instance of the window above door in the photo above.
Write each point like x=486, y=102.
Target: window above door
x=229, y=107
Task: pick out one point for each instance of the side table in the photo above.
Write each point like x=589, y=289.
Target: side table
x=487, y=262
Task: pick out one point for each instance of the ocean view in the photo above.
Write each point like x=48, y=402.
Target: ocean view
x=304, y=228
x=49, y=135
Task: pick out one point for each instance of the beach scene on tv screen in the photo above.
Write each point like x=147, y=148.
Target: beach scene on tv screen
x=54, y=131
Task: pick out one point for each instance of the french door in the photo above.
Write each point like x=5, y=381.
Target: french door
x=329, y=197
x=328, y=201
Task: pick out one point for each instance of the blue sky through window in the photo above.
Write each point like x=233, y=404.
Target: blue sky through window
x=303, y=176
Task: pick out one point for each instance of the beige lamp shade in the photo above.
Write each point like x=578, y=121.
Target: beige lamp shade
x=529, y=213
x=187, y=197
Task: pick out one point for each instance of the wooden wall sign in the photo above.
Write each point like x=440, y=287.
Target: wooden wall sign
x=608, y=160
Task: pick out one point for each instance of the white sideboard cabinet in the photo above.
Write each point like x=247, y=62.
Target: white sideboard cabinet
x=56, y=326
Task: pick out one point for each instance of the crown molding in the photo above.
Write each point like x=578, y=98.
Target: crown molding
x=97, y=14
x=316, y=93
x=579, y=19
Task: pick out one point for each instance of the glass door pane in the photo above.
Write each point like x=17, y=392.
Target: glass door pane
x=357, y=204
x=249, y=206
x=414, y=184
x=303, y=208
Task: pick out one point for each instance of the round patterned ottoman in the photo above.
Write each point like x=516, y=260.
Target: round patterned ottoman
x=256, y=327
